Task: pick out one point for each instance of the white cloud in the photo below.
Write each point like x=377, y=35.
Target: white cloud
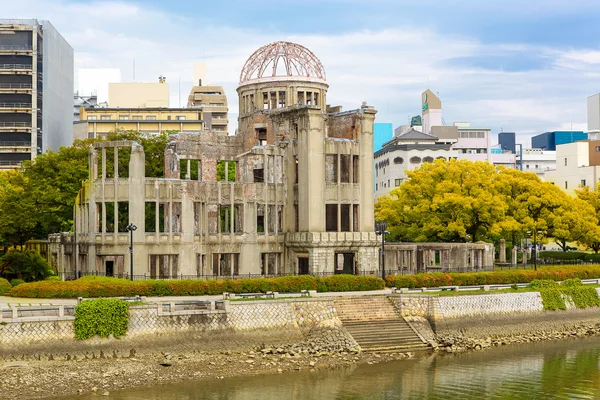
x=387, y=68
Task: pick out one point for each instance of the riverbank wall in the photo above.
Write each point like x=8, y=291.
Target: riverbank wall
x=309, y=325
x=502, y=317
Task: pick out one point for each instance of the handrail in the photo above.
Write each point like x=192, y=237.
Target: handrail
x=15, y=66
x=15, y=105
x=14, y=143
x=15, y=47
x=16, y=124
x=15, y=86
x=11, y=162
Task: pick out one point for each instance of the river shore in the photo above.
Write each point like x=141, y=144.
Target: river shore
x=47, y=379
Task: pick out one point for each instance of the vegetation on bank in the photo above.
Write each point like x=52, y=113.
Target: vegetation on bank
x=102, y=317
x=5, y=286
x=490, y=278
x=91, y=286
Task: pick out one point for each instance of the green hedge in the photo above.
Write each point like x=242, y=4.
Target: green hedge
x=496, y=277
x=102, y=317
x=16, y=282
x=562, y=255
x=5, y=286
x=348, y=283
x=91, y=286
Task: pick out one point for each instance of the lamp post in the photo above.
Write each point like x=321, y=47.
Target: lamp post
x=131, y=227
x=380, y=227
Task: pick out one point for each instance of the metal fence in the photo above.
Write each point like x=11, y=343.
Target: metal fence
x=15, y=86
x=15, y=66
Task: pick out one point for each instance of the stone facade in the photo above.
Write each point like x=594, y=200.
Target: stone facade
x=300, y=200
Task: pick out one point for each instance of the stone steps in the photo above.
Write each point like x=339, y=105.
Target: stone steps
x=376, y=326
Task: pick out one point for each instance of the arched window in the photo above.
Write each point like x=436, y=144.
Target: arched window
x=415, y=160
x=398, y=160
x=428, y=159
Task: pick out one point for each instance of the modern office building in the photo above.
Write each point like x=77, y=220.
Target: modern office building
x=549, y=140
x=577, y=165
x=36, y=90
x=507, y=141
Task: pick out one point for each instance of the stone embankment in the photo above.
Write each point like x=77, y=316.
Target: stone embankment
x=459, y=343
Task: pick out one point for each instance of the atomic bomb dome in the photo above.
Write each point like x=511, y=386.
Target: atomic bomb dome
x=282, y=61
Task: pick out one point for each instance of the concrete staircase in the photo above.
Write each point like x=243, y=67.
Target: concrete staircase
x=376, y=326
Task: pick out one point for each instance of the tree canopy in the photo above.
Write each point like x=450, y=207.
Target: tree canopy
x=38, y=199
x=460, y=201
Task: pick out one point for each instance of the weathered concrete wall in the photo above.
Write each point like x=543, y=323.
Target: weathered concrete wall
x=493, y=315
x=244, y=326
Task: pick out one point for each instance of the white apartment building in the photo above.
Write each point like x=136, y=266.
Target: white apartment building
x=538, y=161
x=577, y=165
x=405, y=152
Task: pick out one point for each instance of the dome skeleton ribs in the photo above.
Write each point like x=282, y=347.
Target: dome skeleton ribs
x=297, y=60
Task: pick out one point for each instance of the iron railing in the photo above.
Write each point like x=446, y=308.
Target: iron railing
x=15, y=124
x=15, y=105
x=15, y=47
x=11, y=162
x=14, y=143
x=15, y=66
x=15, y=86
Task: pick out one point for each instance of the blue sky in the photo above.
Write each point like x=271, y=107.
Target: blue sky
x=507, y=64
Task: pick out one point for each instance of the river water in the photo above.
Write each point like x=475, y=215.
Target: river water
x=567, y=369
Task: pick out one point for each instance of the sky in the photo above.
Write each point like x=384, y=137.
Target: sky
x=525, y=67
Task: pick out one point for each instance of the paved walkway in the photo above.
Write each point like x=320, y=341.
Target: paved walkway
x=5, y=300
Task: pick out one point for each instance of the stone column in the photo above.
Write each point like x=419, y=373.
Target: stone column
x=502, y=250
x=524, y=259
x=513, y=258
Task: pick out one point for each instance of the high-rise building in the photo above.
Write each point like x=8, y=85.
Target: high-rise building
x=36, y=90
x=549, y=140
x=507, y=141
x=213, y=101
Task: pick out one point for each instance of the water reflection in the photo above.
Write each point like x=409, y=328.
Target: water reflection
x=552, y=370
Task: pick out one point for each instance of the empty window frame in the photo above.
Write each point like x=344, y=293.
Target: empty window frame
x=261, y=136
x=189, y=169
x=331, y=217
x=345, y=168
x=258, y=175
x=164, y=266
x=230, y=167
x=225, y=264
x=230, y=218
x=331, y=168
x=260, y=218
x=270, y=263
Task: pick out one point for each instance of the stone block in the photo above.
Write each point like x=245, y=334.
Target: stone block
x=486, y=288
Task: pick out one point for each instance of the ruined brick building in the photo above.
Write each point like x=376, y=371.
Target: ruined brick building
x=294, y=193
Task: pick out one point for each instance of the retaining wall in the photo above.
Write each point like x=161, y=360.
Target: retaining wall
x=244, y=326
x=493, y=315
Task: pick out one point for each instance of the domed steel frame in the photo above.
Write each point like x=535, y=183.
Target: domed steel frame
x=298, y=62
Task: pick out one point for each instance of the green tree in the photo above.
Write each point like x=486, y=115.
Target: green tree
x=591, y=197
x=28, y=265
x=38, y=199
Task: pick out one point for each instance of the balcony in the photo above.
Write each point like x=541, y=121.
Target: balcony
x=16, y=69
x=13, y=49
x=15, y=126
x=15, y=108
x=9, y=164
x=16, y=88
x=15, y=146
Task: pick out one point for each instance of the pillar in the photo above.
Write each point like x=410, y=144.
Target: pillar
x=502, y=250
x=513, y=258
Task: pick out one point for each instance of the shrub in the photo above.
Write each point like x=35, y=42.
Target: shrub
x=562, y=255
x=552, y=299
x=572, y=282
x=543, y=284
x=583, y=296
x=348, y=283
x=16, y=282
x=102, y=317
x=94, y=286
x=24, y=264
x=53, y=278
x=496, y=277
x=5, y=286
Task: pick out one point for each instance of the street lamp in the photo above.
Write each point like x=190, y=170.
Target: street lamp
x=380, y=227
x=130, y=228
